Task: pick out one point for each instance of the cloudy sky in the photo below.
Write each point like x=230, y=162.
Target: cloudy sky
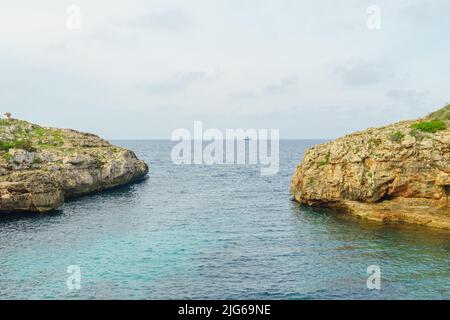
x=142, y=68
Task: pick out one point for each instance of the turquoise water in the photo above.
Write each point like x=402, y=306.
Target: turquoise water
x=216, y=232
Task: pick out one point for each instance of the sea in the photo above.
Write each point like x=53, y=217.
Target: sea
x=215, y=232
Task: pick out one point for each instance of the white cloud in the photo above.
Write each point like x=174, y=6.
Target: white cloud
x=407, y=96
x=175, y=83
x=172, y=19
x=284, y=85
x=360, y=73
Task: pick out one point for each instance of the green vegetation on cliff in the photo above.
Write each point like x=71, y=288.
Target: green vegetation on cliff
x=20, y=134
x=441, y=114
x=396, y=136
x=431, y=126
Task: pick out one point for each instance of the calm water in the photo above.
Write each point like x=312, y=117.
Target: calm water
x=217, y=232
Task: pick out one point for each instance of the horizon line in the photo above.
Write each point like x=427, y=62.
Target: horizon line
x=168, y=139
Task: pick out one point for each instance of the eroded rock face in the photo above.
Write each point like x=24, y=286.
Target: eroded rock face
x=40, y=167
x=394, y=173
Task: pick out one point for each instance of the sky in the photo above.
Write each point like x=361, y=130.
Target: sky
x=140, y=69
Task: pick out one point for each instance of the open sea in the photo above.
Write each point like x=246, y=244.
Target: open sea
x=215, y=232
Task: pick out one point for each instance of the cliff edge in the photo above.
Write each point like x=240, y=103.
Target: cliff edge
x=40, y=166
x=400, y=172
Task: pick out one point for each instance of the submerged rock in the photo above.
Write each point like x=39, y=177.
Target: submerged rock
x=400, y=172
x=40, y=167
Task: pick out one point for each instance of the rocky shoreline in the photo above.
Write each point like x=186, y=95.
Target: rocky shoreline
x=40, y=167
x=400, y=172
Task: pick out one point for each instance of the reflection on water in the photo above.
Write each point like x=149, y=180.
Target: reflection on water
x=215, y=232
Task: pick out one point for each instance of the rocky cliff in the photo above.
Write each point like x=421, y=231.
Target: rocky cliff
x=400, y=172
x=40, y=167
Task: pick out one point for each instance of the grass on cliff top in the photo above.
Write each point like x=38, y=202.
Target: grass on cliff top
x=28, y=136
x=441, y=114
x=396, y=136
x=9, y=122
x=17, y=144
x=431, y=126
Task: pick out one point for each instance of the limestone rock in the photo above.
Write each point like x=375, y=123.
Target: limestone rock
x=40, y=167
x=394, y=173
